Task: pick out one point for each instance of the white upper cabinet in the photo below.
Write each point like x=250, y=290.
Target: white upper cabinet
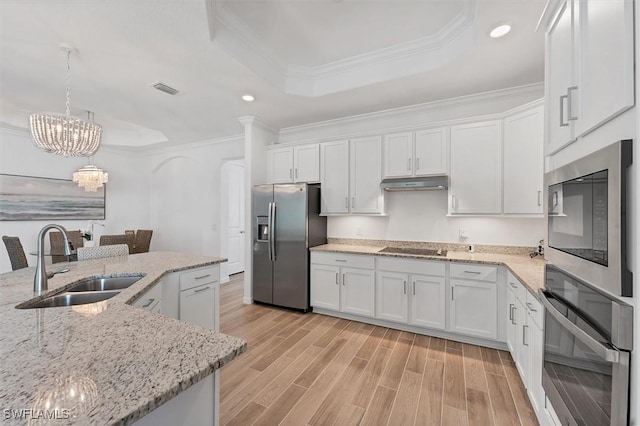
x=589, y=67
x=420, y=153
x=294, y=164
x=524, y=162
x=365, y=175
x=476, y=168
x=334, y=177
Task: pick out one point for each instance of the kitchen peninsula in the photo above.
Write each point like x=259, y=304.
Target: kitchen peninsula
x=109, y=362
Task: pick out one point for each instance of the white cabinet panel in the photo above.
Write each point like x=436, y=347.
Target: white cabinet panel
x=428, y=301
x=334, y=177
x=357, y=292
x=431, y=152
x=476, y=168
x=536, y=350
x=474, y=308
x=522, y=359
x=398, y=155
x=306, y=160
x=325, y=287
x=524, y=162
x=365, y=175
x=280, y=165
x=198, y=306
x=606, y=61
x=512, y=324
x=391, y=296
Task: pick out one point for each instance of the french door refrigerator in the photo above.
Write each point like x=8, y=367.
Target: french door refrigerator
x=286, y=223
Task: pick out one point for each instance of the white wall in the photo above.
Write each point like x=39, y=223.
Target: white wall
x=422, y=216
x=127, y=205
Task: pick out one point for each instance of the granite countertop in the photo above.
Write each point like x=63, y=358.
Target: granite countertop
x=529, y=271
x=108, y=367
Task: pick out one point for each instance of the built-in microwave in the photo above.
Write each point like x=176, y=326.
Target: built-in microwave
x=587, y=218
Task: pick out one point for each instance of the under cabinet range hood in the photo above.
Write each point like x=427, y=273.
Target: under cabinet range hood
x=423, y=183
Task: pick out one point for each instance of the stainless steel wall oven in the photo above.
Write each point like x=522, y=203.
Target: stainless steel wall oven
x=587, y=218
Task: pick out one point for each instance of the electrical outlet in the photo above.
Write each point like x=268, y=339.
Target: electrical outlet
x=471, y=248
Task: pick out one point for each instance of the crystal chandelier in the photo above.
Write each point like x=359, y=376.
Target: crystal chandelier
x=90, y=178
x=65, y=134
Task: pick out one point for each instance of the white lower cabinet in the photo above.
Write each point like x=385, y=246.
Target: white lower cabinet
x=357, y=292
x=428, y=301
x=391, y=295
x=199, y=297
x=474, y=308
x=325, y=287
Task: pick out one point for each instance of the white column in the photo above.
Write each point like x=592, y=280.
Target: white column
x=256, y=138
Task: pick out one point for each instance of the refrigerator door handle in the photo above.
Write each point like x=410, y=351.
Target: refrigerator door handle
x=272, y=232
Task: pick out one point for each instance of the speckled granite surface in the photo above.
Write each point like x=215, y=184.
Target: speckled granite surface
x=112, y=367
x=529, y=271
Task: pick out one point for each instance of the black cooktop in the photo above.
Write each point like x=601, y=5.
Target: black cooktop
x=422, y=252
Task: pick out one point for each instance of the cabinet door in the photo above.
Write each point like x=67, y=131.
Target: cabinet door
x=306, y=160
x=365, y=175
x=391, y=296
x=559, y=72
x=474, y=308
x=606, y=61
x=280, y=165
x=325, y=287
x=534, y=389
x=357, y=292
x=524, y=162
x=334, y=177
x=428, y=301
x=476, y=168
x=512, y=324
x=197, y=306
x=522, y=360
x=398, y=155
x=431, y=152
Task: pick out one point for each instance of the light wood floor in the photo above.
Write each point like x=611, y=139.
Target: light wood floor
x=318, y=370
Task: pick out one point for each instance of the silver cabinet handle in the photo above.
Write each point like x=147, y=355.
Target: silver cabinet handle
x=570, y=116
x=344, y=281
x=148, y=304
x=513, y=285
x=453, y=201
x=296, y=172
x=405, y=287
x=203, y=277
x=202, y=289
x=513, y=315
x=337, y=283
x=353, y=202
x=418, y=163
x=414, y=288
x=524, y=335
x=562, y=123
x=346, y=202
x=409, y=163
x=472, y=272
x=530, y=306
x=511, y=312
x=340, y=260
x=539, y=198
x=452, y=287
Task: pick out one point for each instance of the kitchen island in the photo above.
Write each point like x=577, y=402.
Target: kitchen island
x=101, y=364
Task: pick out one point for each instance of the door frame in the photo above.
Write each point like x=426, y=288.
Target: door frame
x=224, y=212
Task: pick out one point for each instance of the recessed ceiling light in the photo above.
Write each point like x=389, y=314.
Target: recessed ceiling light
x=500, y=30
x=248, y=98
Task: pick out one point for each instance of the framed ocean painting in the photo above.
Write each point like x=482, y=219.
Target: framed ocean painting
x=36, y=198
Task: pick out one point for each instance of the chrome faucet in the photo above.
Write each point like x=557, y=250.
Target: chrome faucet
x=40, y=280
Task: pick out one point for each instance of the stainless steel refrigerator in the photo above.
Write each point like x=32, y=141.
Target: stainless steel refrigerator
x=286, y=223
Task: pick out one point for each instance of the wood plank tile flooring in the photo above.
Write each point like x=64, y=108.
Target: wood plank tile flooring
x=318, y=370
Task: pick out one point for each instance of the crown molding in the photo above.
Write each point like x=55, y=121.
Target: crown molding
x=193, y=145
x=526, y=91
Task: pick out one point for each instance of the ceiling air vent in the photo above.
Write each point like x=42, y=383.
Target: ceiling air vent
x=164, y=88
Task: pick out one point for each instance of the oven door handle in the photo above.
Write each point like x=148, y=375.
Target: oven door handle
x=611, y=355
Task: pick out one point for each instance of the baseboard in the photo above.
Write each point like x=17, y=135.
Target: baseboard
x=247, y=300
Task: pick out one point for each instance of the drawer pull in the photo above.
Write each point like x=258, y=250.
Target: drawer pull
x=202, y=289
x=513, y=285
x=203, y=276
x=472, y=272
x=341, y=260
x=148, y=304
x=531, y=308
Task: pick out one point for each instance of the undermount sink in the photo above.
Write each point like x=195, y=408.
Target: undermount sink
x=70, y=299
x=85, y=291
x=105, y=283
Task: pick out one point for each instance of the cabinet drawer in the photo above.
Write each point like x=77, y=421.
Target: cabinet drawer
x=535, y=309
x=516, y=286
x=339, y=259
x=474, y=272
x=196, y=277
x=407, y=266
